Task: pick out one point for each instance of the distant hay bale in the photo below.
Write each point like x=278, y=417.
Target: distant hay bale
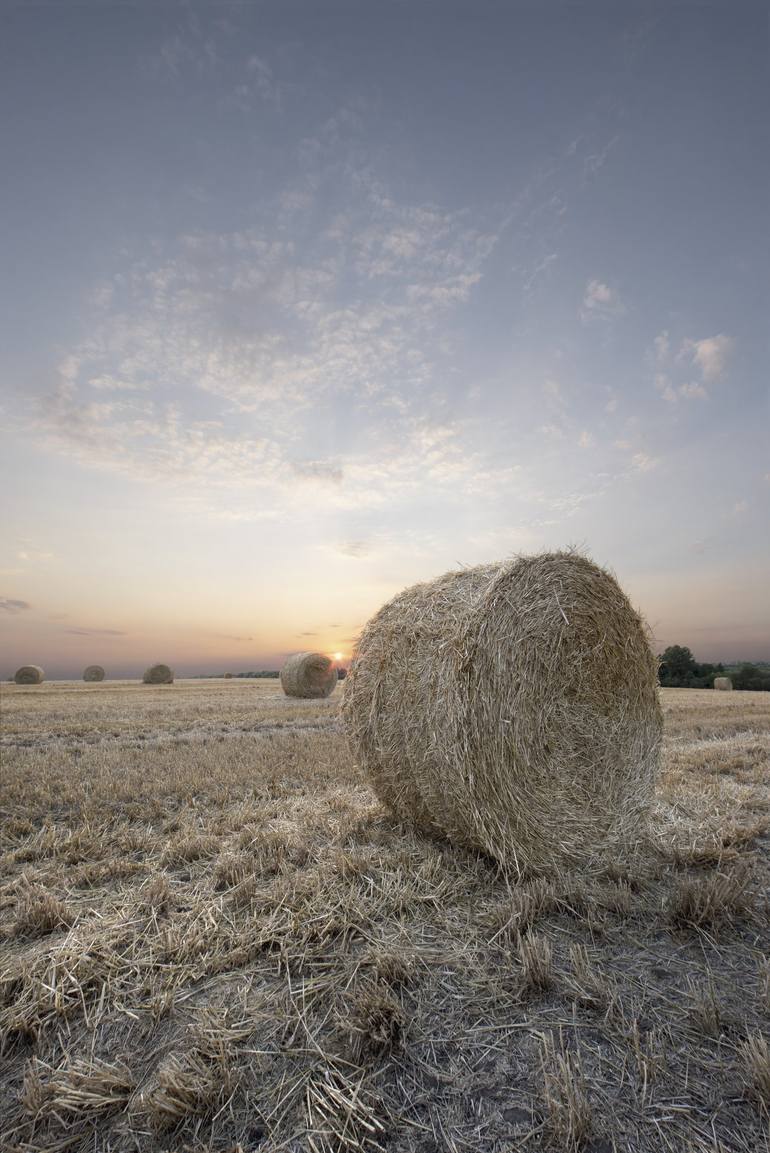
x=723, y=683
x=29, y=675
x=93, y=673
x=512, y=708
x=228, y=676
x=158, y=675
x=309, y=675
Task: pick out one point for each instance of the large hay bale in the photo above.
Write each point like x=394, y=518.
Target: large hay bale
x=93, y=673
x=723, y=683
x=309, y=675
x=158, y=675
x=29, y=675
x=512, y=708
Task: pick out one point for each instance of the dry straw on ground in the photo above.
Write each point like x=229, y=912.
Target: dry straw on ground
x=158, y=675
x=29, y=675
x=93, y=673
x=212, y=937
x=723, y=683
x=310, y=675
x=512, y=708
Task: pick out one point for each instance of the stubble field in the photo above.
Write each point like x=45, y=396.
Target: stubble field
x=212, y=936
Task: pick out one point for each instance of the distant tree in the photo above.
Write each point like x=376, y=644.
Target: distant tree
x=677, y=666
x=751, y=677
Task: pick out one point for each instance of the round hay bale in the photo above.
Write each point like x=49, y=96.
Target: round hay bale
x=93, y=673
x=512, y=708
x=29, y=675
x=158, y=675
x=228, y=676
x=309, y=675
x=723, y=683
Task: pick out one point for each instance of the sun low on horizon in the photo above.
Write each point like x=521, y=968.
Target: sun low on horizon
x=289, y=328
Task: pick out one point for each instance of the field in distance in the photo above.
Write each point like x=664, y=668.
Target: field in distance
x=212, y=936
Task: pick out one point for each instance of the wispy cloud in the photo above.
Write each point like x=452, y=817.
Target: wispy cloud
x=12, y=607
x=709, y=354
x=600, y=302
x=354, y=548
x=693, y=390
x=88, y=632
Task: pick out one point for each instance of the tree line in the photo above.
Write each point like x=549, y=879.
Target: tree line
x=680, y=670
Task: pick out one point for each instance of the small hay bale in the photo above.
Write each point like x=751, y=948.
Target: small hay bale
x=724, y=684
x=228, y=676
x=158, y=675
x=512, y=708
x=29, y=675
x=93, y=673
x=309, y=675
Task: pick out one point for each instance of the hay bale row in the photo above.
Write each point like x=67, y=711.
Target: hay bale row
x=29, y=675
x=512, y=708
x=308, y=675
x=158, y=675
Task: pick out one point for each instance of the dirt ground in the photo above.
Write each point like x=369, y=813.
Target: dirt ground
x=212, y=936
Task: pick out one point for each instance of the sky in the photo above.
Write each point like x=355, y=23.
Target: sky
x=303, y=303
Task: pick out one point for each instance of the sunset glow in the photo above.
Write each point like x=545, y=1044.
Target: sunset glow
x=289, y=329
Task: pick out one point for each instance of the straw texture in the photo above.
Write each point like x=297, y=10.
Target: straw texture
x=158, y=675
x=309, y=675
x=512, y=708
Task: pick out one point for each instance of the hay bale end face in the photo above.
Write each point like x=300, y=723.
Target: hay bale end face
x=512, y=708
x=29, y=675
x=308, y=675
x=158, y=675
x=724, y=684
x=93, y=673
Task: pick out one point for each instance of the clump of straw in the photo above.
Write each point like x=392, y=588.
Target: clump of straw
x=512, y=708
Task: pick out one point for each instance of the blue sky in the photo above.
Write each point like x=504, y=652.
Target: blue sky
x=306, y=302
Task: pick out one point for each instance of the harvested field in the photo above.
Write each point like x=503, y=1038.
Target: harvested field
x=212, y=936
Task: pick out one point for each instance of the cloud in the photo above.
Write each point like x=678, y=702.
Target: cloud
x=323, y=471
x=86, y=632
x=354, y=548
x=693, y=391
x=663, y=385
x=11, y=606
x=221, y=363
x=709, y=354
x=600, y=302
x=641, y=462
x=108, y=383
x=597, y=160
x=662, y=346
